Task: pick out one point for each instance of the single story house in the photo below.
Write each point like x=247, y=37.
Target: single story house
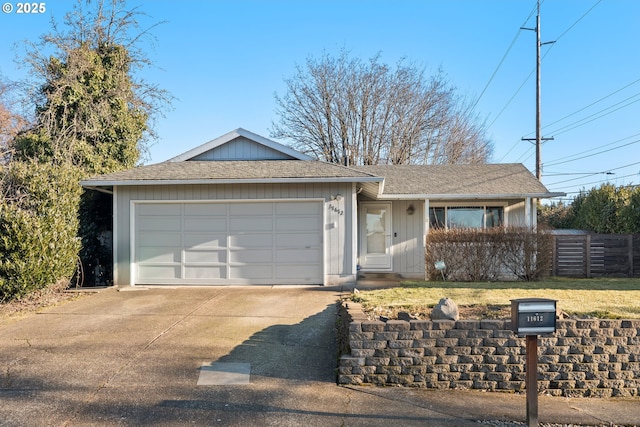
x=243, y=209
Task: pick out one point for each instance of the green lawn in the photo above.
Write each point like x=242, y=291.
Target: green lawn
x=605, y=298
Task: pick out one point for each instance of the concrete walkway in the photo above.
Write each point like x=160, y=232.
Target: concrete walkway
x=224, y=356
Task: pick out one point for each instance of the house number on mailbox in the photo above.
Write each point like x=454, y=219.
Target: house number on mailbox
x=537, y=318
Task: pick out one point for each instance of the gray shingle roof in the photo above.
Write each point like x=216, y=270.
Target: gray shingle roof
x=483, y=179
x=229, y=170
x=419, y=180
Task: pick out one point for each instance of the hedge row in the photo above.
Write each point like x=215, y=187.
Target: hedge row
x=522, y=253
x=38, y=226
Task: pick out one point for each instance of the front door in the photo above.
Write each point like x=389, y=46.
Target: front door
x=375, y=236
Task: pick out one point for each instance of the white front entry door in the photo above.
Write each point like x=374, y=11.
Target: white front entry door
x=375, y=236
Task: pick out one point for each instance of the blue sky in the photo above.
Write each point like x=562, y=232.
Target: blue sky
x=225, y=60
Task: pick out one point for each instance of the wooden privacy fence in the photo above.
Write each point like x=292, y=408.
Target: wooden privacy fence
x=596, y=255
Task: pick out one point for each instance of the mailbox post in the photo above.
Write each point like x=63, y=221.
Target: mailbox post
x=530, y=317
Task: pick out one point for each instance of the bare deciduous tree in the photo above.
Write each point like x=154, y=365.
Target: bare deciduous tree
x=11, y=123
x=344, y=110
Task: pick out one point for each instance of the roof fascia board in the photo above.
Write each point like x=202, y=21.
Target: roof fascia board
x=230, y=136
x=90, y=183
x=468, y=196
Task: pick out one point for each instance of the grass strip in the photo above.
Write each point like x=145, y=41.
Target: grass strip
x=601, y=298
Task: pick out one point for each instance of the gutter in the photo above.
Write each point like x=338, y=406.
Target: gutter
x=92, y=183
x=468, y=196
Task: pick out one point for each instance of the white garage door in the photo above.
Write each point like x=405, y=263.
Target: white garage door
x=228, y=243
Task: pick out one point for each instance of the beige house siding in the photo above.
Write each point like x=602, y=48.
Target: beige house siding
x=338, y=210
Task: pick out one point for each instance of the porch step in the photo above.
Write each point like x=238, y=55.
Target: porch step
x=372, y=281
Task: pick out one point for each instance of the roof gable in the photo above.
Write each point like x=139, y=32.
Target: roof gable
x=240, y=144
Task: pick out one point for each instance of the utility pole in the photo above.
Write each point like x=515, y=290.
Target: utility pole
x=538, y=139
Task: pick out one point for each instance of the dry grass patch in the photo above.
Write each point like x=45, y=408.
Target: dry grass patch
x=37, y=300
x=581, y=298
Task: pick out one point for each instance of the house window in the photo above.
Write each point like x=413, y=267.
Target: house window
x=466, y=217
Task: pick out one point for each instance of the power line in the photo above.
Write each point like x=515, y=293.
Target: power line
x=533, y=10
x=593, y=103
x=593, y=117
x=603, y=181
x=599, y=173
x=594, y=154
x=495, y=71
x=529, y=76
x=578, y=20
x=560, y=160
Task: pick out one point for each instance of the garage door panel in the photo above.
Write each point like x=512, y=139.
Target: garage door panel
x=253, y=209
x=205, y=209
x=209, y=223
x=251, y=256
x=251, y=224
x=251, y=240
x=155, y=254
x=297, y=273
x=298, y=240
x=205, y=272
x=160, y=223
x=290, y=224
x=303, y=256
x=158, y=209
x=202, y=256
x=155, y=239
x=204, y=240
x=228, y=243
x=250, y=271
x=158, y=272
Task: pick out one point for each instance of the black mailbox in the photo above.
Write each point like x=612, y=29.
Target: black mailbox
x=532, y=316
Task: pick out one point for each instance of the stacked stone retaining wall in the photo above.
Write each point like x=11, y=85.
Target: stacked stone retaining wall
x=591, y=357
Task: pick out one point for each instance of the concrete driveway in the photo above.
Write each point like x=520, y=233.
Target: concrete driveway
x=136, y=358
x=204, y=356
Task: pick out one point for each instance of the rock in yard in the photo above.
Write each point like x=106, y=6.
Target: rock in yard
x=446, y=309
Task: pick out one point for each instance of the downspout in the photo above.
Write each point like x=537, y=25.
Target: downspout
x=424, y=234
x=354, y=232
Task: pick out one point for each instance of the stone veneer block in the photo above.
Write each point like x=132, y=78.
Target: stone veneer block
x=443, y=324
x=420, y=325
x=584, y=357
x=397, y=325
x=492, y=324
x=372, y=326
x=467, y=324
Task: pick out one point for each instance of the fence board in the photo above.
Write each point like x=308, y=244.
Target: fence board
x=635, y=254
x=597, y=255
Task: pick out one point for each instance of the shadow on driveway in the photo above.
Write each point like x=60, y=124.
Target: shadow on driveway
x=306, y=351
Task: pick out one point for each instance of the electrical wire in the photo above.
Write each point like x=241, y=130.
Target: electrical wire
x=591, y=155
x=561, y=159
x=597, y=115
x=531, y=73
x=598, y=173
x=504, y=57
x=603, y=181
x=592, y=104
